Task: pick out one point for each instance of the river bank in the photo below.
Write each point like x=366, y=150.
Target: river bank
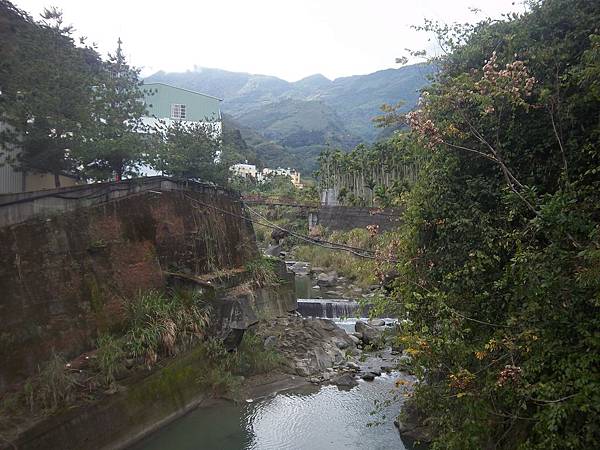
x=322, y=397
x=336, y=406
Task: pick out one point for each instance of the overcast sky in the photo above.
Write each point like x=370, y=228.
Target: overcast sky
x=290, y=39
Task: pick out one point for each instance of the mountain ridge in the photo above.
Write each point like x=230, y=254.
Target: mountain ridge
x=310, y=114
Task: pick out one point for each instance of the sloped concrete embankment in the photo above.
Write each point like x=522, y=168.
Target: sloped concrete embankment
x=149, y=400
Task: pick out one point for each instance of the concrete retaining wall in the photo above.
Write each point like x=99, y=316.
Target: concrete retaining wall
x=344, y=218
x=150, y=400
x=65, y=277
x=19, y=207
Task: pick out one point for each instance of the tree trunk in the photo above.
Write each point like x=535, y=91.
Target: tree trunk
x=56, y=179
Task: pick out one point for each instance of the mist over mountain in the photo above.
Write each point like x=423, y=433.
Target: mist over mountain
x=297, y=120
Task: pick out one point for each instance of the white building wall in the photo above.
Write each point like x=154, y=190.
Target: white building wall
x=153, y=122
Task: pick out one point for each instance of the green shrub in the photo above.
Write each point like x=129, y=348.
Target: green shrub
x=164, y=325
x=219, y=375
x=110, y=357
x=254, y=358
x=53, y=387
x=501, y=234
x=262, y=272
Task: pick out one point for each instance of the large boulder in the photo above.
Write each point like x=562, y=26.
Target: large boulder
x=354, y=339
x=344, y=380
x=370, y=335
x=327, y=279
x=411, y=424
x=308, y=346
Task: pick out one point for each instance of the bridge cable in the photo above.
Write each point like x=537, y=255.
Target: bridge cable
x=325, y=244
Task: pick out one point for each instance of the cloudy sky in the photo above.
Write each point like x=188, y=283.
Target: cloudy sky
x=290, y=39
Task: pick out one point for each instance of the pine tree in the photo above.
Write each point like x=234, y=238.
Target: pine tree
x=191, y=150
x=46, y=95
x=116, y=146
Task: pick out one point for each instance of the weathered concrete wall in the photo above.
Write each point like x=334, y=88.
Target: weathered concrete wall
x=345, y=218
x=148, y=400
x=245, y=305
x=19, y=207
x=64, y=278
x=118, y=420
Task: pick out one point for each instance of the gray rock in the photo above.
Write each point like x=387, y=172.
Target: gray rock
x=411, y=426
x=273, y=250
x=333, y=293
x=377, y=322
x=300, y=268
x=327, y=279
x=340, y=343
x=368, y=376
x=352, y=365
x=370, y=334
x=270, y=342
x=344, y=379
x=302, y=370
x=354, y=339
x=323, y=324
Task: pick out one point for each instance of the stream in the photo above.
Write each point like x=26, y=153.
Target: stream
x=311, y=417
x=323, y=417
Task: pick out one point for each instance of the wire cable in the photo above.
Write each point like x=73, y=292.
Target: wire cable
x=325, y=244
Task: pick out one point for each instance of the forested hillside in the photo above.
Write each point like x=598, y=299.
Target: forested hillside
x=310, y=115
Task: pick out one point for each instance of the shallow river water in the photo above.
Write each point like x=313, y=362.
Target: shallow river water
x=313, y=418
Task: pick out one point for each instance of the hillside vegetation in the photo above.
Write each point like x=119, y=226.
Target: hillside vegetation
x=309, y=115
x=500, y=249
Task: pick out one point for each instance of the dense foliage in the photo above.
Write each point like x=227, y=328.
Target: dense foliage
x=66, y=111
x=115, y=145
x=371, y=175
x=501, y=243
x=45, y=90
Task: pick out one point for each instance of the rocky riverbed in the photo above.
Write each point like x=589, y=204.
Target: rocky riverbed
x=328, y=283
x=322, y=352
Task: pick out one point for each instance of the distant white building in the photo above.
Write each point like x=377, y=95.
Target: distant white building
x=244, y=170
x=292, y=173
x=250, y=170
x=167, y=104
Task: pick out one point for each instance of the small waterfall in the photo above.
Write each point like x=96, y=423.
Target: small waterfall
x=329, y=308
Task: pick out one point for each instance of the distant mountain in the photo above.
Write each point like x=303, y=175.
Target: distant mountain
x=302, y=118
